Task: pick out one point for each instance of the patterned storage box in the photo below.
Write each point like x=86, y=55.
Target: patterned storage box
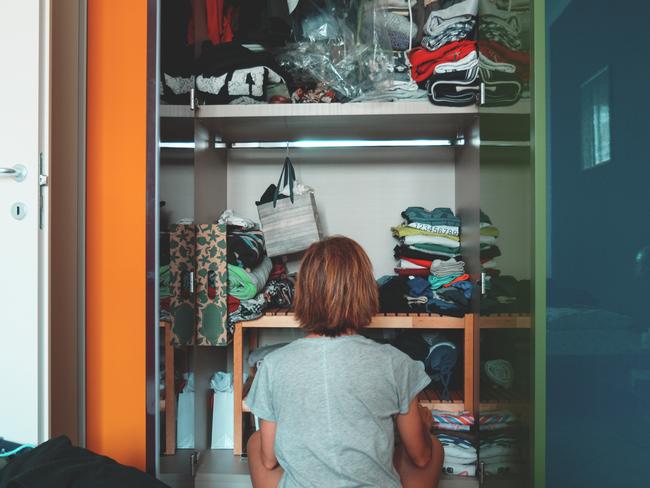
x=198, y=267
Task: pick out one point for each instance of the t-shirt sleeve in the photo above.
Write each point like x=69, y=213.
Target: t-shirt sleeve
x=260, y=396
x=410, y=380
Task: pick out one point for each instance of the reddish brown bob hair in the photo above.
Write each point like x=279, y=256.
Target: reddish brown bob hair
x=335, y=290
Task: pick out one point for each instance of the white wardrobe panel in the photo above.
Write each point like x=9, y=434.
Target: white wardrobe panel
x=507, y=199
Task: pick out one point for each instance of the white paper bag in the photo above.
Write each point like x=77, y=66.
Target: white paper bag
x=223, y=420
x=185, y=421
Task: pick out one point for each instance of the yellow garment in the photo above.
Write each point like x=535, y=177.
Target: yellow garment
x=490, y=230
x=405, y=230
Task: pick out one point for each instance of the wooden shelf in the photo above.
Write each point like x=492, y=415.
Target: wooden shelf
x=333, y=121
x=283, y=319
x=505, y=321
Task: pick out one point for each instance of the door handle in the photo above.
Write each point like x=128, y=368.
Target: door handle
x=18, y=172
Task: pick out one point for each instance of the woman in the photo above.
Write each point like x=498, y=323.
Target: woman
x=329, y=404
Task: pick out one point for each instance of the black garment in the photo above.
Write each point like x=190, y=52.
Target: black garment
x=454, y=89
x=267, y=196
x=176, y=56
x=455, y=295
x=501, y=89
x=265, y=22
x=507, y=295
x=226, y=58
x=392, y=295
x=405, y=251
x=412, y=344
x=246, y=248
x=490, y=252
x=58, y=464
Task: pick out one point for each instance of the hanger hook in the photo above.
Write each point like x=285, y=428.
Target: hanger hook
x=287, y=148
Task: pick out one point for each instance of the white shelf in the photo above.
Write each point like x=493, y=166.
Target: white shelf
x=335, y=121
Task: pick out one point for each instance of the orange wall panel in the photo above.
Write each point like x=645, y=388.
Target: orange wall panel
x=115, y=227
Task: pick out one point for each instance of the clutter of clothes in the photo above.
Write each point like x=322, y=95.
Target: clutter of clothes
x=437, y=352
x=324, y=51
x=430, y=275
x=255, y=282
x=498, y=442
x=446, y=64
x=504, y=50
x=503, y=293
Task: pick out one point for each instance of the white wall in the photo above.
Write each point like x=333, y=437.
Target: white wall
x=359, y=193
x=177, y=183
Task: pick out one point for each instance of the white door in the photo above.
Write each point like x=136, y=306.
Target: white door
x=24, y=335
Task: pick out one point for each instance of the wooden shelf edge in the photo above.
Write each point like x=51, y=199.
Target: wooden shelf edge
x=396, y=321
x=505, y=321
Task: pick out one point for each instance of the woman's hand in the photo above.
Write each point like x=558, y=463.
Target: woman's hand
x=427, y=418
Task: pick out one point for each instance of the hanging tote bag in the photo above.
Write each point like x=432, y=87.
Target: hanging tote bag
x=290, y=225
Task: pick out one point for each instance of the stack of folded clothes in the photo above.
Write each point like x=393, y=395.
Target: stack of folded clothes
x=447, y=63
x=431, y=275
x=232, y=73
x=452, y=430
x=504, y=59
x=501, y=453
x=254, y=282
x=460, y=454
x=489, y=249
x=424, y=237
x=506, y=294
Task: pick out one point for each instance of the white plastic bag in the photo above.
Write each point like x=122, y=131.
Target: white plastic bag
x=223, y=412
x=185, y=416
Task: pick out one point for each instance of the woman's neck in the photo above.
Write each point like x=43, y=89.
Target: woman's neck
x=348, y=332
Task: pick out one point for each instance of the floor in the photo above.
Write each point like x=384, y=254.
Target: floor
x=220, y=469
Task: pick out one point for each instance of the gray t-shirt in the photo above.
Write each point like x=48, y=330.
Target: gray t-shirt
x=334, y=401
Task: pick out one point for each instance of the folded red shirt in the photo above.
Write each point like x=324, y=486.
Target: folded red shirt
x=424, y=62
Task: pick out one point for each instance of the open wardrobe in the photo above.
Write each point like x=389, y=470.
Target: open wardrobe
x=403, y=124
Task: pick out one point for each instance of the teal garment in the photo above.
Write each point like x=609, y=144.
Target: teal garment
x=240, y=283
x=334, y=401
x=244, y=284
x=436, y=248
x=437, y=282
x=165, y=282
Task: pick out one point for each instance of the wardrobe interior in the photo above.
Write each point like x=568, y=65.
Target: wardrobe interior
x=366, y=161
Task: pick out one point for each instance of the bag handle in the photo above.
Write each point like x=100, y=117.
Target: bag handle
x=289, y=175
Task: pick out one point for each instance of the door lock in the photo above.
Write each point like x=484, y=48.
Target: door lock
x=19, y=211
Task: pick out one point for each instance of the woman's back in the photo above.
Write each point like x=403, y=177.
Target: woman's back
x=333, y=400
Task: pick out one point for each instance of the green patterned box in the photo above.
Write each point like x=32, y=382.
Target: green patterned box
x=211, y=285
x=182, y=267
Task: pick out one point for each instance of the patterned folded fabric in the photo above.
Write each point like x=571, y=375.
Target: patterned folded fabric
x=452, y=420
x=496, y=420
x=458, y=448
x=251, y=309
x=244, y=284
x=245, y=248
x=279, y=292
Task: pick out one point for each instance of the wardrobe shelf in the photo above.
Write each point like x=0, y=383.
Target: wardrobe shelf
x=505, y=321
x=333, y=121
x=522, y=107
x=285, y=319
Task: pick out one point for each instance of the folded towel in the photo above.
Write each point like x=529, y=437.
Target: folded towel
x=244, y=284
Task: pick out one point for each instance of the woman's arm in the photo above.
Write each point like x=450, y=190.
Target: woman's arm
x=413, y=428
x=267, y=432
